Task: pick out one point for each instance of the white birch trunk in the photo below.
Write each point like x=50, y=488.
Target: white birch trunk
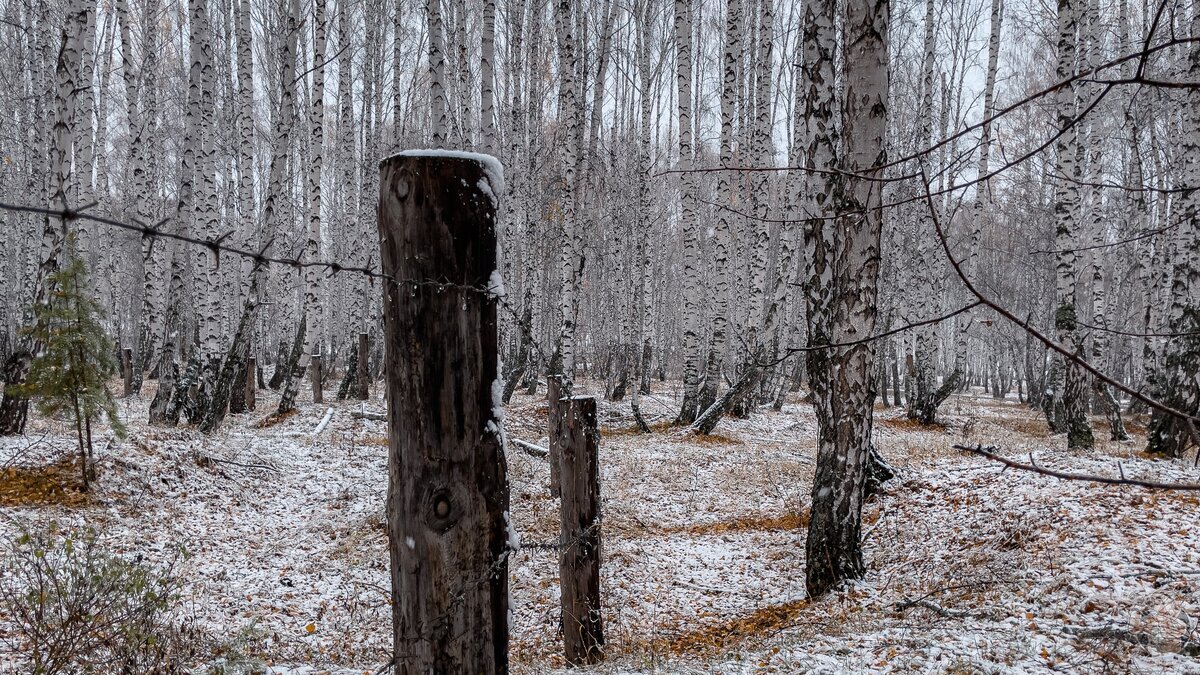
x=1070, y=412
x=689, y=221
x=722, y=236
x=848, y=389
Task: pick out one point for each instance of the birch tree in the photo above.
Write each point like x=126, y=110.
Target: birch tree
x=1069, y=408
x=689, y=222
x=1177, y=381
x=848, y=287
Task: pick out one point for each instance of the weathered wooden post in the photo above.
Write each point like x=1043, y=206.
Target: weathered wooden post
x=127, y=370
x=251, y=381
x=448, y=487
x=364, y=368
x=314, y=370
x=579, y=509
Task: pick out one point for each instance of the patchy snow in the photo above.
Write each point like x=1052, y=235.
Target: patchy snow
x=968, y=569
x=491, y=166
x=495, y=285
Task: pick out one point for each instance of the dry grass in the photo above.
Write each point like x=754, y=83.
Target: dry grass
x=274, y=419
x=715, y=439
x=59, y=484
x=1029, y=425
x=757, y=523
x=713, y=639
x=635, y=430
x=907, y=424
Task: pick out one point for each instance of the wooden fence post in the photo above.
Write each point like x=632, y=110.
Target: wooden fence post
x=127, y=370
x=314, y=370
x=579, y=509
x=251, y=381
x=448, y=487
x=364, y=369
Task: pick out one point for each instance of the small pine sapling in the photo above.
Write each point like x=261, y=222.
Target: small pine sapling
x=69, y=374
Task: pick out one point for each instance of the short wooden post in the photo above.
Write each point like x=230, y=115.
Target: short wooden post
x=314, y=370
x=554, y=415
x=251, y=381
x=579, y=508
x=364, y=368
x=127, y=370
x=448, y=522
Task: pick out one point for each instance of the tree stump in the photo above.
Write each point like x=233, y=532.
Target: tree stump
x=448, y=487
x=579, y=510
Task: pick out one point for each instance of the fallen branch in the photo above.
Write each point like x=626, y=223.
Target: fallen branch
x=989, y=453
x=364, y=415
x=933, y=607
x=324, y=422
x=1108, y=633
x=530, y=449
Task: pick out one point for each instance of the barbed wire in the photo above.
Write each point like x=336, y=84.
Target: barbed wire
x=216, y=245
x=260, y=257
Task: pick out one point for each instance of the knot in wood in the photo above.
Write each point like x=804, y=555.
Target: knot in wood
x=442, y=510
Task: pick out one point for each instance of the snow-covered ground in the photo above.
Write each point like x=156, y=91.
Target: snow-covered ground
x=970, y=570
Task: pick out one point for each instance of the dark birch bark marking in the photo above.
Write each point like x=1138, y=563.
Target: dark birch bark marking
x=363, y=368
x=579, y=567
x=554, y=414
x=251, y=374
x=127, y=370
x=315, y=373
x=447, y=486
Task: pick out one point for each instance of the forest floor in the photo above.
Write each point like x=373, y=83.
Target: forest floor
x=969, y=570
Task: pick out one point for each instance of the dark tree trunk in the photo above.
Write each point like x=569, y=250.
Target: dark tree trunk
x=350, y=378
x=734, y=395
x=314, y=370
x=230, y=376
x=524, y=346
x=448, y=488
x=251, y=380
x=14, y=408
x=127, y=371
x=647, y=354
x=363, y=370
x=281, y=357
x=291, y=379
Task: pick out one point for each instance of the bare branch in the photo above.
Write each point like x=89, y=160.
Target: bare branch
x=989, y=453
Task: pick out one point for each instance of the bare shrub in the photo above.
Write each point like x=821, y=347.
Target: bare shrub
x=76, y=607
